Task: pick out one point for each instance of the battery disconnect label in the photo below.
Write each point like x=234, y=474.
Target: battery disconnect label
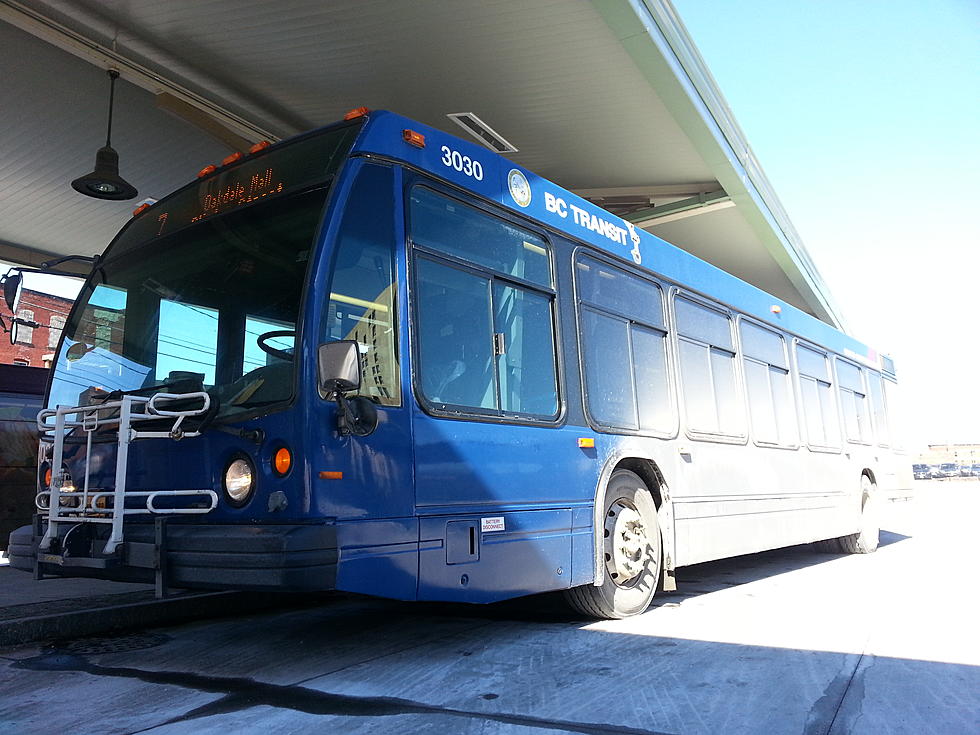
x=492, y=524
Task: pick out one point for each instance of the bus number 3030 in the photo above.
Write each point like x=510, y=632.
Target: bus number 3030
x=463, y=164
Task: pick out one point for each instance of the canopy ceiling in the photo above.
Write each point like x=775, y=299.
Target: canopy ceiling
x=607, y=98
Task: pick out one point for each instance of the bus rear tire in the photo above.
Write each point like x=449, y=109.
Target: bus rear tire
x=865, y=540
x=632, y=552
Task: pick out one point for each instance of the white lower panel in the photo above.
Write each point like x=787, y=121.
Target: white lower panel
x=721, y=528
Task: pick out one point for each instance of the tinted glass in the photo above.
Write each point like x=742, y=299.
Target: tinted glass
x=617, y=291
x=785, y=407
x=812, y=363
x=363, y=291
x=878, y=407
x=707, y=325
x=652, y=387
x=607, y=370
x=173, y=312
x=449, y=226
x=849, y=376
x=526, y=369
x=455, y=336
x=763, y=345
x=699, y=400
x=761, y=409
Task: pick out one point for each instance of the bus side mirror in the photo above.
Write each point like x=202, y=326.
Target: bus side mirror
x=11, y=290
x=339, y=367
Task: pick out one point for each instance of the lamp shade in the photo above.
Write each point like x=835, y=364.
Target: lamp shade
x=105, y=182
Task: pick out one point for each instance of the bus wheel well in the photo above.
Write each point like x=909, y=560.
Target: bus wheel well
x=648, y=472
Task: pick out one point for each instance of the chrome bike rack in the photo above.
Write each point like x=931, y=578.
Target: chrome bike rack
x=69, y=506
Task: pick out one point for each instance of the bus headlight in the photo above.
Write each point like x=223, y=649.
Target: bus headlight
x=239, y=481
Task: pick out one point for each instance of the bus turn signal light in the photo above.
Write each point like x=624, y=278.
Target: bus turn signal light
x=140, y=209
x=282, y=461
x=328, y=475
x=207, y=171
x=47, y=477
x=356, y=113
x=413, y=138
x=236, y=156
x=260, y=146
x=586, y=443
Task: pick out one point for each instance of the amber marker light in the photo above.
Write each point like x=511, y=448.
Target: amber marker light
x=356, y=113
x=260, y=146
x=140, y=209
x=413, y=138
x=328, y=475
x=776, y=309
x=282, y=460
x=236, y=156
x=586, y=443
x=207, y=171
x=47, y=477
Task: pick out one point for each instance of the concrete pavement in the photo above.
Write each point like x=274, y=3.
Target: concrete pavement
x=792, y=641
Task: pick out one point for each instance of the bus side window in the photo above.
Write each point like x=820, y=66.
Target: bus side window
x=485, y=340
x=854, y=402
x=878, y=409
x=363, y=289
x=819, y=411
x=707, y=363
x=772, y=411
x=624, y=348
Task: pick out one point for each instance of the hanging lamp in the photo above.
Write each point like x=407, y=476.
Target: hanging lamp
x=105, y=182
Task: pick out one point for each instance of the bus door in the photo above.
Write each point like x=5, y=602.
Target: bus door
x=366, y=481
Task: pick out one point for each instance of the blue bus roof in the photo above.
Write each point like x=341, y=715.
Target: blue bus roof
x=493, y=177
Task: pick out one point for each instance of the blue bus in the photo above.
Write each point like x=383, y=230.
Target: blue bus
x=381, y=359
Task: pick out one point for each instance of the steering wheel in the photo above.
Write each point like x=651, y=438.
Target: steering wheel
x=281, y=354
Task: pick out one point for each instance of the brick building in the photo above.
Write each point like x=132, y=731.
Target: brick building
x=35, y=346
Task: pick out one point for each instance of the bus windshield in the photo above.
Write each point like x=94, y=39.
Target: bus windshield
x=211, y=307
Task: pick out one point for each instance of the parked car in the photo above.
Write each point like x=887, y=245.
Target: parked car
x=921, y=471
x=976, y=470
x=948, y=469
x=966, y=470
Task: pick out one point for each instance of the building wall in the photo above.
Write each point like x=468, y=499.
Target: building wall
x=35, y=347
x=958, y=453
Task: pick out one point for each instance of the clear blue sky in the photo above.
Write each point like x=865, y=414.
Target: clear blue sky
x=865, y=116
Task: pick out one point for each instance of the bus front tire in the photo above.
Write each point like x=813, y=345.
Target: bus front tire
x=632, y=552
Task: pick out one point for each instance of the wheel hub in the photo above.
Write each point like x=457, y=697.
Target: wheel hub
x=626, y=542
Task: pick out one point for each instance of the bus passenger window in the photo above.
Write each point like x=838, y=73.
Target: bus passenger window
x=363, y=289
x=878, y=408
x=772, y=411
x=707, y=363
x=526, y=363
x=623, y=341
x=611, y=399
x=854, y=403
x=455, y=337
x=485, y=332
x=819, y=409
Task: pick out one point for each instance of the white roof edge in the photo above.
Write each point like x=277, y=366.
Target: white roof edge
x=668, y=33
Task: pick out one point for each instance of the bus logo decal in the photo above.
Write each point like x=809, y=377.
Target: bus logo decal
x=520, y=190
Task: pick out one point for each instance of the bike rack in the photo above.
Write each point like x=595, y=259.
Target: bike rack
x=69, y=506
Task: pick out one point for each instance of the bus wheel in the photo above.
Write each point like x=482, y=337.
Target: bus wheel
x=865, y=540
x=632, y=550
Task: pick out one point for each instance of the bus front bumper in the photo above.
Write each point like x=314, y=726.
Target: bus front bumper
x=190, y=555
